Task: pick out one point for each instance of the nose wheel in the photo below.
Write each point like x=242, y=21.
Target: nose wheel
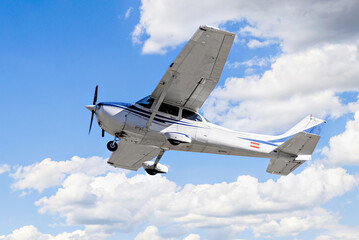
x=112, y=146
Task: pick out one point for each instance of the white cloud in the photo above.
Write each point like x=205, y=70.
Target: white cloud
x=48, y=173
x=255, y=61
x=340, y=233
x=258, y=44
x=297, y=222
x=114, y=202
x=192, y=237
x=128, y=12
x=31, y=232
x=4, y=168
x=297, y=85
x=296, y=25
x=343, y=148
x=151, y=232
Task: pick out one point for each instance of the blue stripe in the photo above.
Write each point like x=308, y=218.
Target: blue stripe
x=136, y=110
x=117, y=103
x=181, y=134
x=313, y=130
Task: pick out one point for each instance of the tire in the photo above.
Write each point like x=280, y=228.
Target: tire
x=174, y=142
x=112, y=146
x=151, y=172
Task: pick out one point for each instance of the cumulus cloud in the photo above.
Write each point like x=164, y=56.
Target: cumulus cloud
x=151, y=232
x=253, y=43
x=31, y=232
x=296, y=25
x=48, y=173
x=4, y=168
x=297, y=84
x=343, y=148
x=113, y=202
x=192, y=237
x=340, y=233
x=255, y=61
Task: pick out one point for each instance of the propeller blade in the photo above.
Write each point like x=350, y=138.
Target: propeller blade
x=103, y=133
x=95, y=96
x=93, y=113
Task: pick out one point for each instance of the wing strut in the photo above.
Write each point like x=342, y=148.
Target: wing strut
x=167, y=84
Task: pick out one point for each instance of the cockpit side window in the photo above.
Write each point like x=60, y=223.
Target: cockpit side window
x=146, y=102
x=191, y=115
x=169, y=109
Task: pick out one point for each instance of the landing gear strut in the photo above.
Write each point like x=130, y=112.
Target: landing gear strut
x=153, y=168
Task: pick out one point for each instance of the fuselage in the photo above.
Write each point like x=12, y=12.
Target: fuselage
x=128, y=121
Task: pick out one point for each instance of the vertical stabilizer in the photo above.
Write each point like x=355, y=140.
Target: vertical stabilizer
x=309, y=124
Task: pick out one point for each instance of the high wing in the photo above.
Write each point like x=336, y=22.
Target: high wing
x=131, y=156
x=195, y=72
x=292, y=153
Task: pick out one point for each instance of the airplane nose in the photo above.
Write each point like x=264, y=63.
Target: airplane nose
x=91, y=107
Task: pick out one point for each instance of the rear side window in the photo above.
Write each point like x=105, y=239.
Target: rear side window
x=169, y=109
x=191, y=115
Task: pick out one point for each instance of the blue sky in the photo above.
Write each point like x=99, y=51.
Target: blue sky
x=287, y=61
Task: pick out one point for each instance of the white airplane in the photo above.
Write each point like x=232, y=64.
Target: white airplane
x=168, y=119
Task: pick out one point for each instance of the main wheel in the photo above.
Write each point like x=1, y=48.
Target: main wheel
x=151, y=171
x=112, y=146
x=174, y=142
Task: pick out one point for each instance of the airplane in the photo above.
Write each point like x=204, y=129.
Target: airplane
x=168, y=119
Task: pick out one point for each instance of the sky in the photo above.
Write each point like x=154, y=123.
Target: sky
x=289, y=59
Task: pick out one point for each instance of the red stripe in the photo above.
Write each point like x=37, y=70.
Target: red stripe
x=254, y=145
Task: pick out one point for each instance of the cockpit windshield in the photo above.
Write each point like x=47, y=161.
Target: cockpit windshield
x=191, y=115
x=146, y=102
x=206, y=119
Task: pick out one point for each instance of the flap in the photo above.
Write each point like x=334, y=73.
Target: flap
x=131, y=156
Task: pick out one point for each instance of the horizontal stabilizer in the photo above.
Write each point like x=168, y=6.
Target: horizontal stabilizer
x=292, y=153
x=282, y=165
x=300, y=144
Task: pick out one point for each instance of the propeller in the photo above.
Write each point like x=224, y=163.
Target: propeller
x=93, y=103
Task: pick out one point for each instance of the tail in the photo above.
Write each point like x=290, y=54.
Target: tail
x=309, y=124
x=295, y=146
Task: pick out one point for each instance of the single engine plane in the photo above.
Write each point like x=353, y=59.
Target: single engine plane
x=168, y=119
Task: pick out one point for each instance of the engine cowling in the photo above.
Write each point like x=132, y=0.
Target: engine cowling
x=176, y=138
x=153, y=170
